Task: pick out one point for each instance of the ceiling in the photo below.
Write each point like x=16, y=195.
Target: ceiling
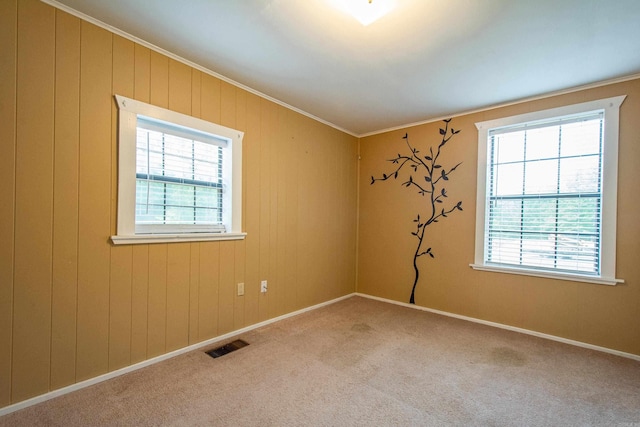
x=426, y=59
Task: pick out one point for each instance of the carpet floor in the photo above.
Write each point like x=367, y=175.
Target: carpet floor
x=361, y=362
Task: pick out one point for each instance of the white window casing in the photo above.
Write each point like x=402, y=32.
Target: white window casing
x=609, y=108
x=183, y=126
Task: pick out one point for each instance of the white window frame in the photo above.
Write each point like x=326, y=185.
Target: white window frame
x=128, y=112
x=611, y=108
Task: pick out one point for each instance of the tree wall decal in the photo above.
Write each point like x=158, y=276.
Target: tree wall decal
x=435, y=177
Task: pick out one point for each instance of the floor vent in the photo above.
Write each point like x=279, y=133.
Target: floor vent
x=227, y=348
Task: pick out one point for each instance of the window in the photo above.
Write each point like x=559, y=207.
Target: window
x=179, y=177
x=547, y=193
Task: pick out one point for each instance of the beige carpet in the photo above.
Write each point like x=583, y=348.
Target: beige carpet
x=361, y=362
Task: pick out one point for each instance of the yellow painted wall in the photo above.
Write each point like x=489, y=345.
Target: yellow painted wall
x=72, y=306
x=596, y=314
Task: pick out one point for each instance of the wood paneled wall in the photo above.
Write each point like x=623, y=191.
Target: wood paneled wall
x=72, y=306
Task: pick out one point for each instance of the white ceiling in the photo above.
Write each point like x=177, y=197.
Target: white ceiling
x=427, y=59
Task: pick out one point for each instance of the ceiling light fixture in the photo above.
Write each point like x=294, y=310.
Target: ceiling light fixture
x=365, y=11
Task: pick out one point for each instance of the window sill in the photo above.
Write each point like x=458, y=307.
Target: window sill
x=548, y=275
x=174, y=238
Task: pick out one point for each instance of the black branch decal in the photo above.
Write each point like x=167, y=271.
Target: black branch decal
x=431, y=185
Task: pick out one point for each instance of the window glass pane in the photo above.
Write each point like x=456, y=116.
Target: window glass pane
x=141, y=151
x=179, y=195
x=177, y=146
x=155, y=141
x=149, y=192
x=538, y=250
x=509, y=147
x=541, y=177
x=142, y=163
x=149, y=202
x=179, y=215
x=207, y=197
x=142, y=199
x=207, y=216
x=581, y=138
x=149, y=152
x=504, y=247
x=156, y=192
x=579, y=215
x=539, y=215
x=578, y=253
x=149, y=214
x=205, y=152
x=505, y=215
x=141, y=191
x=177, y=167
x=204, y=171
x=155, y=164
x=580, y=174
x=508, y=179
x=542, y=143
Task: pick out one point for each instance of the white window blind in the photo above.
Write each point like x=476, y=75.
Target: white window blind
x=179, y=183
x=544, y=194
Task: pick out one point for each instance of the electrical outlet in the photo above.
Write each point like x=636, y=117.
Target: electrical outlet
x=240, y=289
x=263, y=286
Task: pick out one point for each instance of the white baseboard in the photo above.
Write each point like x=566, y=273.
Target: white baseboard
x=507, y=327
x=77, y=386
